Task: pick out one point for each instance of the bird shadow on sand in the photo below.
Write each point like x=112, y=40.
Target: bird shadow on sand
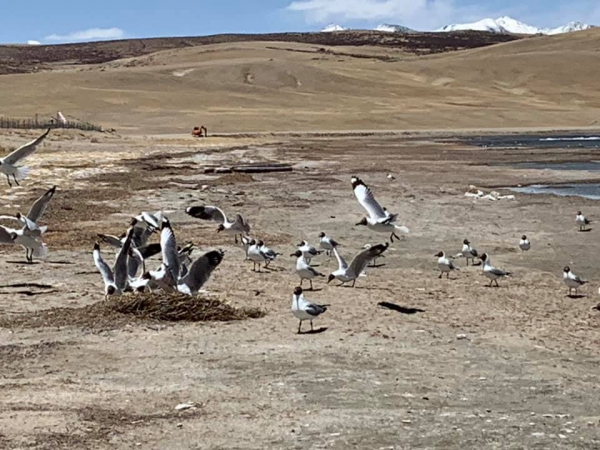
x=60, y=262
x=375, y=266
x=400, y=309
x=587, y=230
x=313, y=290
x=315, y=331
x=576, y=296
x=23, y=263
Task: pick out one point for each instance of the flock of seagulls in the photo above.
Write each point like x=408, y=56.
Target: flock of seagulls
x=178, y=272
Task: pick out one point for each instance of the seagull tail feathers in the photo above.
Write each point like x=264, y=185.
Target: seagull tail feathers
x=41, y=252
x=22, y=173
x=402, y=229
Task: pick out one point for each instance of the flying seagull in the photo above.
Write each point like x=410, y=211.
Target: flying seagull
x=8, y=164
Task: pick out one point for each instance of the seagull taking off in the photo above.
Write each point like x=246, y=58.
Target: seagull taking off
x=327, y=243
x=582, y=221
x=446, y=265
x=491, y=272
x=304, y=269
x=469, y=252
x=346, y=273
x=238, y=227
x=8, y=164
x=524, y=244
x=116, y=280
x=305, y=310
x=378, y=220
x=571, y=280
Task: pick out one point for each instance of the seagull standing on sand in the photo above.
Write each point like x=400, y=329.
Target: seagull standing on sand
x=379, y=220
x=308, y=251
x=327, y=243
x=571, y=280
x=469, y=252
x=8, y=164
x=582, y=221
x=346, y=273
x=524, y=243
x=446, y=265
x=236, y=228
x=304, y=269
x=305, y=310
x=491, y=272
x=270, y=254
x=256, y=255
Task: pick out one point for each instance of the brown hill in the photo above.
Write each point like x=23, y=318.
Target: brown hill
x=287, y=86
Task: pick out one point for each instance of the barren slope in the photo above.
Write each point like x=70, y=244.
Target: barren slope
x=274, y=86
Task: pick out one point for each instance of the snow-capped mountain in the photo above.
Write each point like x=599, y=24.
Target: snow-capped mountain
x=388, y=28
x=509, y=25
x=333, y=27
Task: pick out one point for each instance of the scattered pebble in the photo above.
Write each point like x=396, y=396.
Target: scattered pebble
x=538, y=434
x=562, y=436
x=461, y=336
x=406, y=421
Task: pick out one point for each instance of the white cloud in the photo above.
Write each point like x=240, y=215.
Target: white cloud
x=93, y=34
x=418, y=13
x=34, y=43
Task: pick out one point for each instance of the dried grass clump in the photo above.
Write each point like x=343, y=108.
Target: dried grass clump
x=178, y=307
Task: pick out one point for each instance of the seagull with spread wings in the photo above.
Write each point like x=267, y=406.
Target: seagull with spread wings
x=347, y=273
x=8, y=164
x=239, y=227
x=379, y=219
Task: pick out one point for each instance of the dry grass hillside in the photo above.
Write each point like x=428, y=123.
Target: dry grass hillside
x=288, y=86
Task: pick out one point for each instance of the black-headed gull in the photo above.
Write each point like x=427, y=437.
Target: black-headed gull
x=305, y=310
x=269, y=253
x=524, y=243
x=469, y=252
x=445, y=265
x=373, y=262
x=327, y=243
x=572, y=280
x=378, y=220
x=37, y=210
x=238, y=227
x=582, y=221
x=8, y=164
x=491, y=272
x=256, y=254
x=346, y=273
x=304, y=269
x=308, y=250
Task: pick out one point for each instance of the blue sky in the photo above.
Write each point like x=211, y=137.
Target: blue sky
x=55, y=21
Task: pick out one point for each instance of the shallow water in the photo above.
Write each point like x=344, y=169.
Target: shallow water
x=592, y=166
x=538, y=141
x=591, y=190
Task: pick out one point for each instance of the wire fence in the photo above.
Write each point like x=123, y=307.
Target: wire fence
x=36, y=122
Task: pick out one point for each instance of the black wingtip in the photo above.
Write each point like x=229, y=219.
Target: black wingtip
x=96, y=246
x=197, y=212
x=215, y=257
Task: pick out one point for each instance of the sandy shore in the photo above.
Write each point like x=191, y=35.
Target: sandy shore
x=460, y=365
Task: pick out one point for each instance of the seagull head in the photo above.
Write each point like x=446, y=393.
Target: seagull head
x=567, y=269
x=484, y=257
x=524, y=237
x=298, y=291
x=110, y=290
x=578, y=213
x=321, y=234
x=260, y=243
x=330, y=278
x=466, y=242
x=96, y=246
x=302, y=243
x=362, y=222
x=439, y=255
x=220, y=228
x=297, y=254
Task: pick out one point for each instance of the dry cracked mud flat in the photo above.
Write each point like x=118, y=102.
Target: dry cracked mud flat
x=454, y=365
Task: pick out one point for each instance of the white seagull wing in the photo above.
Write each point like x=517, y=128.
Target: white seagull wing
x=201, y=270
x=107, y=274
x=5, y=236
x=39, y=207
x=25, y=150
x=207, y=213
x=342, y=264
x=366, y=198
x=168, y=245
x=362, y=259
x=120, y=271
